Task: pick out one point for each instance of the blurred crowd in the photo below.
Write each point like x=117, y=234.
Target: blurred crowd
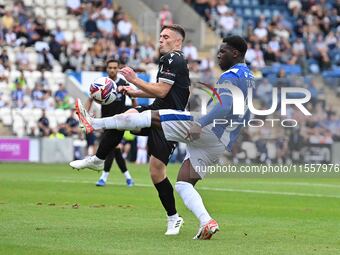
x=302, y=32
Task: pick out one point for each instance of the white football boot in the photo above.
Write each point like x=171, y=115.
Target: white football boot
x=174, y=226
x=91, y=162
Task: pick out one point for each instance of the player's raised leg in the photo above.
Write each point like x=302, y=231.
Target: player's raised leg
x=131, y=120
x=125, y=121
x=186, y=179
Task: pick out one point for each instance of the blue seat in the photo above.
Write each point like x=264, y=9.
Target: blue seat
x=247, y=12
x=257, y=12
x=292, y=69
x=236, y=2
x=238, y=11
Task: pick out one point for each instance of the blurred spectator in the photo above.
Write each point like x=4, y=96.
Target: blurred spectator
x=76, y=61
x=10, y=38
x=261, y=32
x=190, y=51
x=21, y=59
x=322, y=48
x=3, y=73
x=147, y=51
x=222, y=7
x=73, y=7
x=7, y=21
x=124, y=29
x=227, y=23
x=165, y=16
x=61, y=93
x=21, y=80
x=37, y=96
x=142, y=155
x=48, y=101
x=91, y=29
x=5, y=59
x=256, y=72
x=56, y=134
x=45, y=60
x=72, y=124
x=43, y=81
x=55, y=47
x=59, y=36
x=259, y=59
x=107, y=12
x=105, y=26
x=43, y=124
x=17, y=96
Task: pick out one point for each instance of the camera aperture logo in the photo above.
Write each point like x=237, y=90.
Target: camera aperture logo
x=211, y=92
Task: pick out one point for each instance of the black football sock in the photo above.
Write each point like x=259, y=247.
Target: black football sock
x=120, y=160
x=108, y=161
x=166, y=195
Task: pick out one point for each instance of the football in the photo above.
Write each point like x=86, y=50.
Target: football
x=103, y=90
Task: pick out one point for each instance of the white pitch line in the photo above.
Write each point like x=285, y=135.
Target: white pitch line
x=307, y=184
x=267, y=192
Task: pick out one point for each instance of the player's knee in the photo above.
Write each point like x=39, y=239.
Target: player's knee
x=181, y=185
x=155, y=118
x=157, y=173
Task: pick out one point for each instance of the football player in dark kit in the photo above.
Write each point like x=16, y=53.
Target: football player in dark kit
x=171, y=92
x=107, y=148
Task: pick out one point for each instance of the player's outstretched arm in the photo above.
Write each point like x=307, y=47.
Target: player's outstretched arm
x=158, y=90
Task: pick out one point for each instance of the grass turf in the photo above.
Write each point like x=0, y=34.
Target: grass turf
x=52, y=209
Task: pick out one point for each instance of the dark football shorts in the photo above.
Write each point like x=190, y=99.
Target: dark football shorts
x=158, y=146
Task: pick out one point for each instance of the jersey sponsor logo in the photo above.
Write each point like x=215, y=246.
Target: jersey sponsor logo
x=167, y=73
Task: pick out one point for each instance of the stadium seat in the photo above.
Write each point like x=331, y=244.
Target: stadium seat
x=36, y=113
x=51, y=12
x=28, y=2
x=62, y=23
x=79, y=35
x=247, y=12
x=291, y=69
x=39, y=11
x=51, y=24
x=7, y=120
x=236, y=2
x=61, y=3
x=50, y=3
x=245, y=2
x=267, y=13
x=238, y=11
x=68, y=35
x=61, y=12
x=39, y=2
x=257, y=12
x=4, y=111
x=53, y=122
x=73, y=24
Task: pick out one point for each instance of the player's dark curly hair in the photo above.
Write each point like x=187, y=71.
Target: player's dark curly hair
x=237, y=42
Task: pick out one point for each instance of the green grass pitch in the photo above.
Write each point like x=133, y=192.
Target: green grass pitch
x=52, y=209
